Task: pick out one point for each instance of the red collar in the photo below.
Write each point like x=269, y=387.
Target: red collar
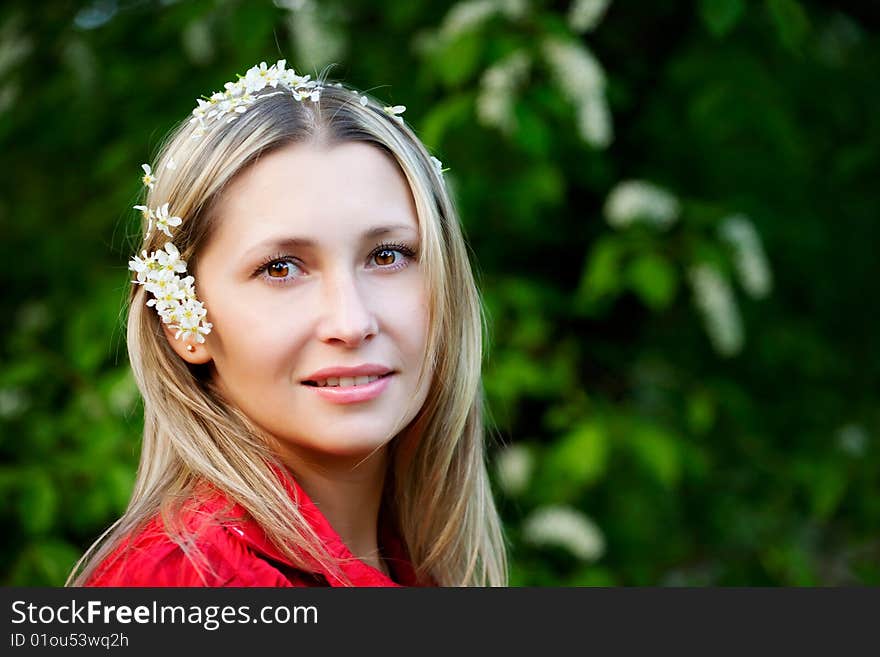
x=360, y=573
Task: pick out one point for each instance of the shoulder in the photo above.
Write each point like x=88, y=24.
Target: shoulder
x=216, y=555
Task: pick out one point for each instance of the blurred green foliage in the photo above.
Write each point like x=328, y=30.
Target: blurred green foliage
x=673, y=210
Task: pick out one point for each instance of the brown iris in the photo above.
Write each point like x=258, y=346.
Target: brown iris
x=390, y=256
x=278, y=269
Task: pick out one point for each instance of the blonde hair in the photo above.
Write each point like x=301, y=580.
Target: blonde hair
x=437, y=488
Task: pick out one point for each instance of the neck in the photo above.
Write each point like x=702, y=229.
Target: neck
x=348, y=491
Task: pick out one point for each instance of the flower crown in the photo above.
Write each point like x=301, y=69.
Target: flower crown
x=160, y=272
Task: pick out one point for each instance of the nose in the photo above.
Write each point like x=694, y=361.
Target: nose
x=348, y=317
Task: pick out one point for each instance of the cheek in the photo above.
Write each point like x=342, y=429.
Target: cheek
x=414, y=318
x=250, y=333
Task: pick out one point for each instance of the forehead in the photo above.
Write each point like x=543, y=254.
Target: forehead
x=316, y=193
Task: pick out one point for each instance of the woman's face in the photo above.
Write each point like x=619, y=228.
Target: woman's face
x=314, y=265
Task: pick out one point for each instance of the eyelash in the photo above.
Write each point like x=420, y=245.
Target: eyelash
x=407, y=252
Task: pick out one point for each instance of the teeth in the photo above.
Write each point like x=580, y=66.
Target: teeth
x=347, y=381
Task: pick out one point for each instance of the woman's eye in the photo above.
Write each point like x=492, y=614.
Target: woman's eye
x=278, y=270
x=385, y=256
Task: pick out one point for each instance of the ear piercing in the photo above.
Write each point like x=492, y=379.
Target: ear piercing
x=190, y=348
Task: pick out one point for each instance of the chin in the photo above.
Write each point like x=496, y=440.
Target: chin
x=345, y=445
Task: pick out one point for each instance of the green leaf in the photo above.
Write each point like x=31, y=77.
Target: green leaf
x=44, y=564
x=601, y=277
x=118, y=484
x=593, y=576
x=658, y=452
x=580, y=458
x=700, y=412
x=654, y=279
x=721, y=16
x=791, y=22
x=37, y=502
x=541, y=185
x=445, y=115
x=92, y=509
x=532, y=133
x=791, y=564
x=828, y=489
x=458, y=59
x=825, y=483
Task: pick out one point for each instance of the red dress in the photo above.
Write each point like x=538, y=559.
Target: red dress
x=239, y=553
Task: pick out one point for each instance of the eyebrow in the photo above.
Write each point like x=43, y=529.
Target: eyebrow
x=302, y=242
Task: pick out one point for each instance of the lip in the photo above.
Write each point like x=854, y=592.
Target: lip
x=353, y=394
x=369, y=369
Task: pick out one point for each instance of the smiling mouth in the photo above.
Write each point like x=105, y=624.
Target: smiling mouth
x=314, y=384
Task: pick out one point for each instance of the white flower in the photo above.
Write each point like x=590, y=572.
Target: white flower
x=633, y=201
x=163, y=221
x=584, y=15
x=257, y=77
x=192, y=313
x=170, y=295
x=309, y=90
x=276, y=73
x=169, y=259
x=187, y=285
x=853, y=439
x=239, y=94
x=235, y=89
x=438, y=164
x=142, y=267
x=171, y=315
x=514, y=468
x=200, y=114
x=579, y=75
x=469, y=15
x=148, y=214
x=290, y=78
x=751, y=262
x=237, y=105
x=33, y=317
x=465, y=16
x=189, y=321
x=715, y=300
x=498, y=85
x=12, y=402
x=395, y=112
x=594, y=121
x=171, y=164
x=565, y=527
x=174, y=299
x=199, y=332
x=148, y=179
x=160, y=280
x=575, y=68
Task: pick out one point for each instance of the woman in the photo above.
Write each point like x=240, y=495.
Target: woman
x=325, y=427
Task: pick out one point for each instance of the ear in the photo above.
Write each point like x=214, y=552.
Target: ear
x=189, y=350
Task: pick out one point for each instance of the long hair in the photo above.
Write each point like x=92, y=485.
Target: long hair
x=437, y=488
